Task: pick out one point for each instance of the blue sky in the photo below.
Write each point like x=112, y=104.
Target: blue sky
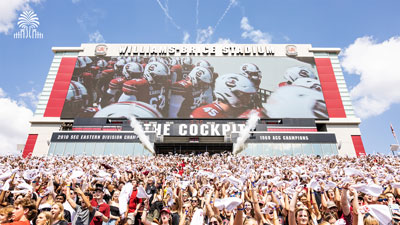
x=367, y=31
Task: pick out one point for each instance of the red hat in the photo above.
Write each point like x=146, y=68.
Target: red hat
x=165, y=210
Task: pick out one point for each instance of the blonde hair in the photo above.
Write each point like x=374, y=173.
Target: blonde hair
x=49, y=218
x=7, y=211
x=61, y=215
x=370, y=220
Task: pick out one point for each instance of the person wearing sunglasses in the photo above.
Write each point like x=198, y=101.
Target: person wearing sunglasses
x=195, y=202
x=215, y=220
x=382, y=200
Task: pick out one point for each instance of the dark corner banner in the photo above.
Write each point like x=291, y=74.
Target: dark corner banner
x=288, y=138
x=131, y=137
x=206, y=87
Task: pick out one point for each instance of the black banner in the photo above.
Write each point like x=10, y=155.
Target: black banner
x=126, y=137
x=289, y=138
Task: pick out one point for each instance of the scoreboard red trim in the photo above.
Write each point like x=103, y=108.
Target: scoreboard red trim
x=330, y=89
x=29, y=145
x=292, y=129
x=358, y=145
x=60, y=87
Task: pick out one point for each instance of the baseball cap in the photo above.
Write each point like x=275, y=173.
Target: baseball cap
x=330, y=204
x=165, y=210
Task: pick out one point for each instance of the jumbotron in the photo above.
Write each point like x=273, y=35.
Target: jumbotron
x=195, y=98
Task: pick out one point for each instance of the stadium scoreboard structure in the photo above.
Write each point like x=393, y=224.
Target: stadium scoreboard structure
x=194, y=98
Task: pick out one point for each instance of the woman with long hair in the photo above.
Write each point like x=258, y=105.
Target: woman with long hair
x=57, y=212
x=299, y=215
x=44, y=218
x=114, y=209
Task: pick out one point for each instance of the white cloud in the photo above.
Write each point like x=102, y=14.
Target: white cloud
x=14, y=124
x=286, y=38
x=204, y=35
x=9, y=10
x=186, y=37
x=32, y=97
x=96, y=37
x=378, y=66
x=224, y=41
x=256, y=36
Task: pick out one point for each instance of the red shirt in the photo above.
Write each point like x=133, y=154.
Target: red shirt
x=103, y=208
x=26, y=222
x=133, y=202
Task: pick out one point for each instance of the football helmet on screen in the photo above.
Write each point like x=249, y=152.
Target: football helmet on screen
x=296, y=102
x=156, y=72
x=80, y=63
x=132, y=70
x=234, y=89
x=129, y=59
x=296, y=72
x=252, y=72
x=119, y=65
x=308, y=83
x=186, y=61
x=128, y=109
x=102, y=63
x=200, y=76
x=87, y=60
x=76, y=96
x=205, y=64
x=157, y=59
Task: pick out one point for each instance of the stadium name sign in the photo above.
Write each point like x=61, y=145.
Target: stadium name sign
x=236, y=50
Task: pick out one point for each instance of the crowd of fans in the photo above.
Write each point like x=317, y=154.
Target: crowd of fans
x=200, y=189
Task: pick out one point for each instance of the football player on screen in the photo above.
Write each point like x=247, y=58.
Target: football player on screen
x=302, y=99
x=131, y=70
x=190, y=93
x=180, y=68
x=252, y=72
x=152, y=88
x=75, y=101
x=295, y=73
x=233, y=93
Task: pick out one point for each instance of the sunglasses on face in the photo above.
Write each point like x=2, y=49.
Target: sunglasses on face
x=382, y=200
x=213, y=223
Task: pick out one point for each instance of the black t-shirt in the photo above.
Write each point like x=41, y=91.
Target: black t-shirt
x=151, y=190
x=61, y=222
x=114, y=210
x=175, y=218
x=67, y=216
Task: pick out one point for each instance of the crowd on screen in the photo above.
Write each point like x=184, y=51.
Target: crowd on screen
x=200, y=189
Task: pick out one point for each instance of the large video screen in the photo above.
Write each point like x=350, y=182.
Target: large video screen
x=194, y=87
